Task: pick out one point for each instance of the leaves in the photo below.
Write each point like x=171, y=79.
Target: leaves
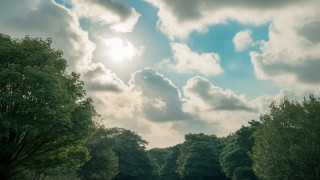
x=287, y=144
x=44, y=116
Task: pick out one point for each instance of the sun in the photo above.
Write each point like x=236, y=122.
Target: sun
x=119, y=49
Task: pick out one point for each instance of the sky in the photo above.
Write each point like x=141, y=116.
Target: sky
x=165, y=68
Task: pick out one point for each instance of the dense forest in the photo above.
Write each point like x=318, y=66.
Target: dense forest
x=49, y=130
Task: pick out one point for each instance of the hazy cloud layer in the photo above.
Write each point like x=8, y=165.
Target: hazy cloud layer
x=116, y=14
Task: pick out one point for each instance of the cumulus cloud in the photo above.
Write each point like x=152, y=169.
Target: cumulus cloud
x=242, y=40
x=161, y=99
x=188, y=61
x=116, y=14
x=47, y=19
x=99, y=78
x=207, y=97
x=119, y=49
x=178, y=18
x=291, y=56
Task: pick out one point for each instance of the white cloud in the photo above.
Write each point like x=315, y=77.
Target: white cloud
x=187, y=61
x=161, y=100
x=242, y=40
x=291, y=56
x=119, y=49
x=60, y=24
x=99, y=78
x=219, y=111
x=178, y=18
x=207, y=97
x=118, y=15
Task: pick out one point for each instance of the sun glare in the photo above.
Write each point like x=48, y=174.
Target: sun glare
x=119, y=49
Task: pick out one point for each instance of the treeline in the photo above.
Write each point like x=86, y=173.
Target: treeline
x=284, y=144
x=48, y=131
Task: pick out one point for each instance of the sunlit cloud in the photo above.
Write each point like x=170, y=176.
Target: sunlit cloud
x=188, y=61
x=119, y=49
x=242, y=40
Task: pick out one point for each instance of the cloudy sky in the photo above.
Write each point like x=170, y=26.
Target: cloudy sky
x=164, y=68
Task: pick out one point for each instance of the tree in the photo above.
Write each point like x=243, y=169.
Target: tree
x=287, y=144
x=134, y=162
x=199, y=158
x=169, y=170
x=158, y=157
x=103, y=163
x=235, y=158
x=44, y=116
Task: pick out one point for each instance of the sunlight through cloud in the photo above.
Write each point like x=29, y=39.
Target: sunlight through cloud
x=119, y=49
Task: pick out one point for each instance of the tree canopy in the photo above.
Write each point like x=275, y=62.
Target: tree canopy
x=134, y=162
x=103, y=163
x=235, y=158
x=199, y=157
x=44, y=115
x=287, y=144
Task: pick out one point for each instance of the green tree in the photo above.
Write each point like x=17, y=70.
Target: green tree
x=134, y=162
x=235, y=158
x=44, y=116
x=287, y=144
x=157, y=157
x=199, y=158
x=169, y=170
x=103, y=163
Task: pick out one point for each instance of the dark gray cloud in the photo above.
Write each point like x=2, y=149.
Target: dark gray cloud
x=311, y=31
x=216, y=98
x=162, y=100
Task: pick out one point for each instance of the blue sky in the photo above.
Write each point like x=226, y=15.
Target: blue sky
x=164, y=68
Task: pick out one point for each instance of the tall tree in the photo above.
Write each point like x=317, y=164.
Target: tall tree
x=158, y=157
x=199, y=158
x=134, y=162
x=103, y=163
x=235, y=158
x=287, y=144
x=44, y=116
x=169, y=170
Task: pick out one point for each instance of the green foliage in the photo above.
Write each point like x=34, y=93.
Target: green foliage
x=169, y=170
x=59, y=174
x=199, y=157
x=44, y=117
x=134, y=162
x=158, y=157
x=287, y=144
x=235, y=158
x=103, y=163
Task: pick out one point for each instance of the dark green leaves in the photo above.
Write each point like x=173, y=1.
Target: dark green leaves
x=287, y=144
x=44, y=118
